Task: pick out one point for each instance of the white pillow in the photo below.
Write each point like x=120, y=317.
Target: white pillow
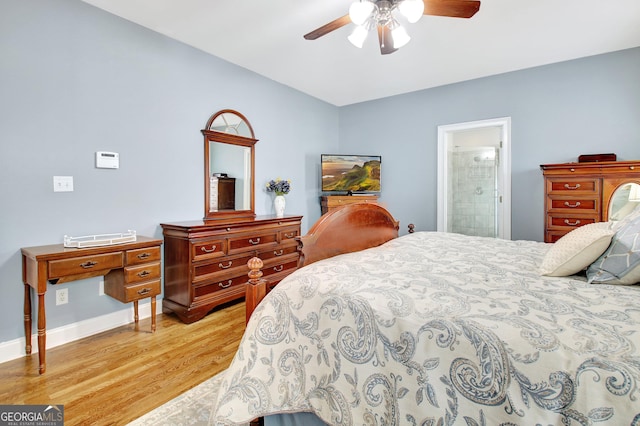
x=576, y=250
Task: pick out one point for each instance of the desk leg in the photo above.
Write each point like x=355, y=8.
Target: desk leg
x=27, y=318
x=42, y=334
x=153, y=314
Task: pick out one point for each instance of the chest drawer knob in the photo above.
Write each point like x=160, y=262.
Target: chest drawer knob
x=227, y=266
x=144, y=291
x=576, y=186
x=278, y=268
x=228, y=284
x=143, y=274
x=290, y=235
x=143, y=256
x=278, y=252
x=89, y=264
x=574, y=223
x=257, y=241
x=206, y=250
x=568, y=204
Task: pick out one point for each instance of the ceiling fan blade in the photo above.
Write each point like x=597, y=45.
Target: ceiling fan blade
x=327, y=28
x=451, y=8
x=385, y=39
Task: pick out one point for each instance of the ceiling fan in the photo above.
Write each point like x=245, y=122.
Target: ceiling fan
x=380, y=14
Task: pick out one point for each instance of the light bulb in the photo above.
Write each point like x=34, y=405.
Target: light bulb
x=412, y=9
x=400, y=37
x=360, y=11
x=358, y=36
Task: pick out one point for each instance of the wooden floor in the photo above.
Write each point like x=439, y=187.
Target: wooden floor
x=117, y=376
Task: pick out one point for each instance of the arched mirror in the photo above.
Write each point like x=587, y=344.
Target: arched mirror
x=624, y=200
x=228, y=166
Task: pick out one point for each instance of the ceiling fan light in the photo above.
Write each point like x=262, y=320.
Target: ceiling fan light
x=412, y=9
x=400, y=37
x=358, y=36
x=360, y=11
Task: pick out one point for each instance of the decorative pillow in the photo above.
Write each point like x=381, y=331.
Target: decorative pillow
x=626, y=219
x=620, y=264
x=576, y=250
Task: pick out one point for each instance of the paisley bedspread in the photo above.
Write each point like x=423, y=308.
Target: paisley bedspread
x=439, y=329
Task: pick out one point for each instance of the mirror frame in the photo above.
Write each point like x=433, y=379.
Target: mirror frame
x=232, y=139
x=610, y=188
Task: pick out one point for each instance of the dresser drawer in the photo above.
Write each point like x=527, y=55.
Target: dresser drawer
x=288, y=235
x=142, y=290
x=585, y=205
x=566, y=186
x=281, y=250
x=567, y=221
x=204, y=290
x=209, y=249
x=85, y=264
x=139, y=273
x=207, y=271
x=250, y=242
x=144, y=255
x=280, y=265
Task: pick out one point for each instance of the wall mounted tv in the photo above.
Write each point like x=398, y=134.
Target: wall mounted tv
x=348, y=174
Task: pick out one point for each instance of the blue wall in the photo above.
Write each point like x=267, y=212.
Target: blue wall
x=584, y=106
x=75, y=80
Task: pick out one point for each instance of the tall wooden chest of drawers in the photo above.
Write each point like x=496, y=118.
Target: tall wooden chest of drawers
x=205, y=262
x=577, y=194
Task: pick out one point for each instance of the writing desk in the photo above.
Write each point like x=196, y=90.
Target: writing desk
x=131, y=270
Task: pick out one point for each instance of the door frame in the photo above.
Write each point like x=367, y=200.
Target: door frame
x=445, y=133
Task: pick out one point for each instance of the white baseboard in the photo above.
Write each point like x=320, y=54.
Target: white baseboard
x=14, y=349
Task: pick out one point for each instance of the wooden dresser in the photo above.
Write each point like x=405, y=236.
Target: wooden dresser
x=332, y=202
x=577, y=194
x=205, y=262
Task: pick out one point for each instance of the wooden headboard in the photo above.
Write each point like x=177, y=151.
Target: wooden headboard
x=349, y=229
x=353, y=227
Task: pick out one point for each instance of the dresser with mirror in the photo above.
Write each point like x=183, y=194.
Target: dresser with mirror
x=205, y=261
x=577, y=194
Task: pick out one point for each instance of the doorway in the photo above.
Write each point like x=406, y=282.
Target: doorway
x=474, y=178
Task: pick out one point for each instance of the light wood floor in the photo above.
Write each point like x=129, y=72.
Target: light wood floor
x=117, y=376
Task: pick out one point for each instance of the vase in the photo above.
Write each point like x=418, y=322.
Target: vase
x=278, y=204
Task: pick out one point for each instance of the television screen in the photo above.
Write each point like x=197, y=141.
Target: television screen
x=350, y=173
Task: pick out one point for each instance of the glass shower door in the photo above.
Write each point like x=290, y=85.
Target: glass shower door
x=473, y=191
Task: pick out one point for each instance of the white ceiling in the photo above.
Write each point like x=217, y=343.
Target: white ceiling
x=505, y=35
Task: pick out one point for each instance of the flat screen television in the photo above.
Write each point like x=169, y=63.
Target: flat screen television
x=350, y=174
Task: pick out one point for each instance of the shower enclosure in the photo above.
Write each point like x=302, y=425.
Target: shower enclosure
x=473, y=186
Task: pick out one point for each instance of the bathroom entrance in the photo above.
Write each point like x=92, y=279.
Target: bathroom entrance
x=474, y=178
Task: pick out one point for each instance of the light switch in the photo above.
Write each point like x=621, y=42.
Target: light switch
x=62, y=183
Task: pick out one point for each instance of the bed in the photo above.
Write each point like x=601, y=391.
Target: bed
x=434, y=328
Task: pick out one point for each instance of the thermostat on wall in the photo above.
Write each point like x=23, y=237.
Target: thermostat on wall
x=107, y=160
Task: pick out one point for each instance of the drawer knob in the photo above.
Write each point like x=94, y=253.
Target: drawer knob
x=572, y=170
x=143, y=274
x=568, y=204
x=290, y=235
x=632, y=167
x=257, y=241
x=278, y=268
x=576, y=186
x=89, y=264
x=144, y=291
x=211, y=250
x=144, y=255
x=278, y=252
x=223, y=285
x=568, y=222
x=227, y=266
